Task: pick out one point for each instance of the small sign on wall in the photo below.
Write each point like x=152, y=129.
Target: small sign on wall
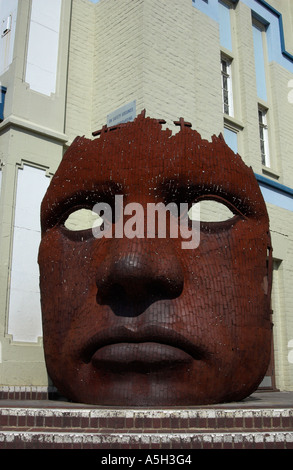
x=124, y=114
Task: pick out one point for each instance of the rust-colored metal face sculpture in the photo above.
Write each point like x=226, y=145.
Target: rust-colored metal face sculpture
x=131, y=318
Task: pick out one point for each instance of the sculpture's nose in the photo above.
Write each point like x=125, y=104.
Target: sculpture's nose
x=135, y=274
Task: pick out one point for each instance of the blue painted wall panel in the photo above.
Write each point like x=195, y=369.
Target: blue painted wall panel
x=231, y=139
x=277, y=198
x=225, y=26
x=259, y=63
x=276, y=193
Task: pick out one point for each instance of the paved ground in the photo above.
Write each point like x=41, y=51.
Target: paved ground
x=256, y=400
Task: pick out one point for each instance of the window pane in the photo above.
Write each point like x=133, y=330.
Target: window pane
x=263, y=137
x=227, y=86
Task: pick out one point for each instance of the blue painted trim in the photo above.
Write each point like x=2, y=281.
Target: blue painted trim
x=275, y=193
x=211, y=9
x=280, y=19
x=2, y=100
x=274, y=185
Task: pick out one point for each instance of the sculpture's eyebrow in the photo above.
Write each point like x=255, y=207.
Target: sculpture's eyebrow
x=239, y=194
x=63, y=195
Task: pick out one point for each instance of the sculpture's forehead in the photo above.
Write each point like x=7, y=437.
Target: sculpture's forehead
x=149, y=157
x=142, y=159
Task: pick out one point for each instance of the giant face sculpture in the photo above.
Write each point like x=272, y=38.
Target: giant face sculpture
x=139, y=320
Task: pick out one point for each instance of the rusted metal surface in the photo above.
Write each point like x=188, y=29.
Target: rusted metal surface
x=141, y=321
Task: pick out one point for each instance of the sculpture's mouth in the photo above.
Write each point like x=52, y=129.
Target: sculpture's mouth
x=152, y=347
x=139, y=356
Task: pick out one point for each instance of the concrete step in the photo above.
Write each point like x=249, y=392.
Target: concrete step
x=45, y=424
x=94, y=439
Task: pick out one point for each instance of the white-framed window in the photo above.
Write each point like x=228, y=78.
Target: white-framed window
x=227, y=91
x=264, y=136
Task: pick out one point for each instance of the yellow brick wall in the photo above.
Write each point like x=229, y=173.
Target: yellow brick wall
x=118, y=57
x=282, y=119
x=281, y=222
x=80, y=70
x=246, y=112
x=152, y=52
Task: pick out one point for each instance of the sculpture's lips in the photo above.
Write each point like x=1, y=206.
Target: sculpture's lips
x=139, y=355
x=153, y=345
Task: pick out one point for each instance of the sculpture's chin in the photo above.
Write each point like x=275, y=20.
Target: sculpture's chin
x=139, y=383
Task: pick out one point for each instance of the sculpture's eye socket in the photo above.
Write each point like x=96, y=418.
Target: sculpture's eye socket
x=213, y=214
x=210, y=211
x=82, y=219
